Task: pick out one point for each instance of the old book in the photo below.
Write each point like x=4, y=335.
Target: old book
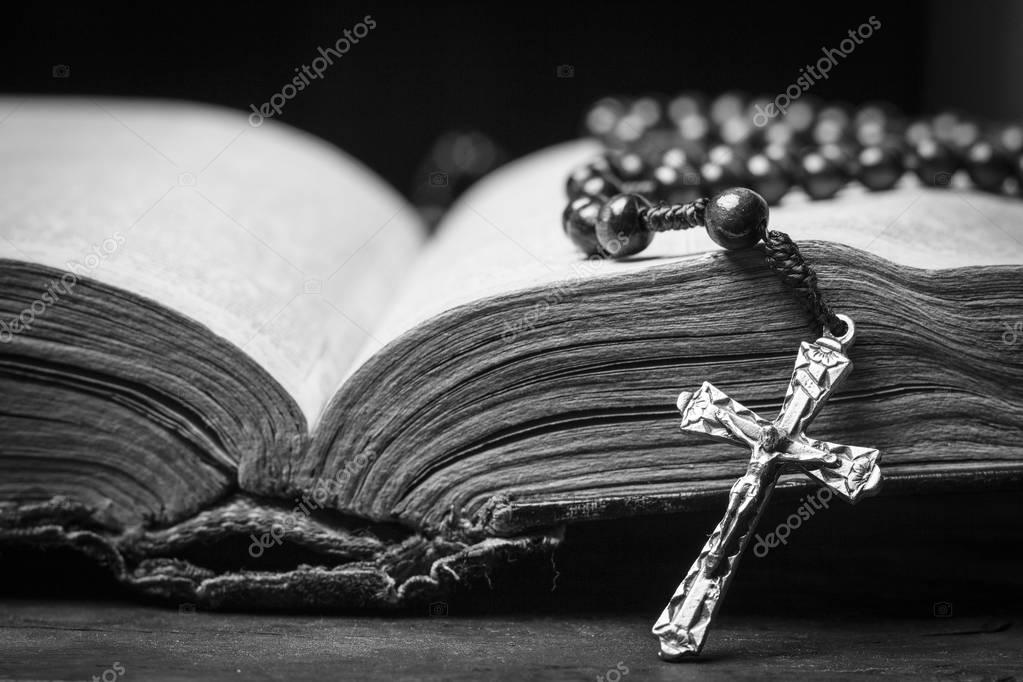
x=236, y=370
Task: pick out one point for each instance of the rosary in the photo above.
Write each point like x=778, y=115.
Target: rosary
x=673, y=155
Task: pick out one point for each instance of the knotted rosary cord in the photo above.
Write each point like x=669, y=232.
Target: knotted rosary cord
x=781, y=254
x=665, y=217
x=783, y=257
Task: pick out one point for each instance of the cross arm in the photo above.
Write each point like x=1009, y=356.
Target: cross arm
x=701, y=410
x=856, y=475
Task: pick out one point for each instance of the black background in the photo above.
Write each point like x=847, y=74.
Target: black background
x=492, y=67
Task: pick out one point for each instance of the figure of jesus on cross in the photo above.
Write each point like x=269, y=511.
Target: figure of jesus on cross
x=851, y=472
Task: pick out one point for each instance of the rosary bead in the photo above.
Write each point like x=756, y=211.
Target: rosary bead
x=821, y=175
x=873, y=122
x=779, y=133
x=782, y=156
x=677, y=185
x=675, y=152
x=682, y=157
x=802, y=114
x=987, y=166
x=649, y=110
x=843, y=154
x=736, y=218
x=768, y=178
x=833, y=125
x=651, y=148
x=603, y=116
x=917, y=132
x=620, y=228
x=933, y=163
x=727, y=105
x=685, y=104
x=943, y=123
x=964, y=136
x=590, y=180
x=724, y=168
x=579, y=222
x=879, y=168
x=627, y=166
x=738, y=130
x=694, y=128
x=1009, y=138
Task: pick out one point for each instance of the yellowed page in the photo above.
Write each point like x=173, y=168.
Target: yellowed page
x=272, y=238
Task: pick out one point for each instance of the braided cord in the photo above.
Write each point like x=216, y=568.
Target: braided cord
x=663, y=217
x=782, y=255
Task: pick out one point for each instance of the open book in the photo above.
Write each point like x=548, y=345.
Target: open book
x=234, y=368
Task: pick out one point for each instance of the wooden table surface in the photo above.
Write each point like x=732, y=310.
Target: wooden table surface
x=68, y=640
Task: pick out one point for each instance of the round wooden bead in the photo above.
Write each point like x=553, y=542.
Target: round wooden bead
x=987, y=166
x=933, y=163
x=590, y=180
x=725, y=168
x=651, y=148
x=843, y=155
x=736, y=218
x=620, y=229
x=879, y=168
x=768, y=178
x=833, y=124
x=1009, y=138
x=603, y=116
x=677, y=185
x=784, y=157
x=579, y=221
x=627, y=166
x=820, y=175
x=682, y=156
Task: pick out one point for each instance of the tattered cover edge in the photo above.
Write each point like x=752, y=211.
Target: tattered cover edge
x=429, y=567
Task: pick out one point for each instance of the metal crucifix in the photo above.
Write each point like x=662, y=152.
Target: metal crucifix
x=850, y=472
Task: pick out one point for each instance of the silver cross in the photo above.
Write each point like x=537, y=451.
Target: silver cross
x=851, y=472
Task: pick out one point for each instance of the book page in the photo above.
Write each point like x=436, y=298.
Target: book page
x=505, y=234
x=539, y=386
x=276, y=241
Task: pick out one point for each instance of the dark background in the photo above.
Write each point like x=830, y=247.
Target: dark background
x=493, y=67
